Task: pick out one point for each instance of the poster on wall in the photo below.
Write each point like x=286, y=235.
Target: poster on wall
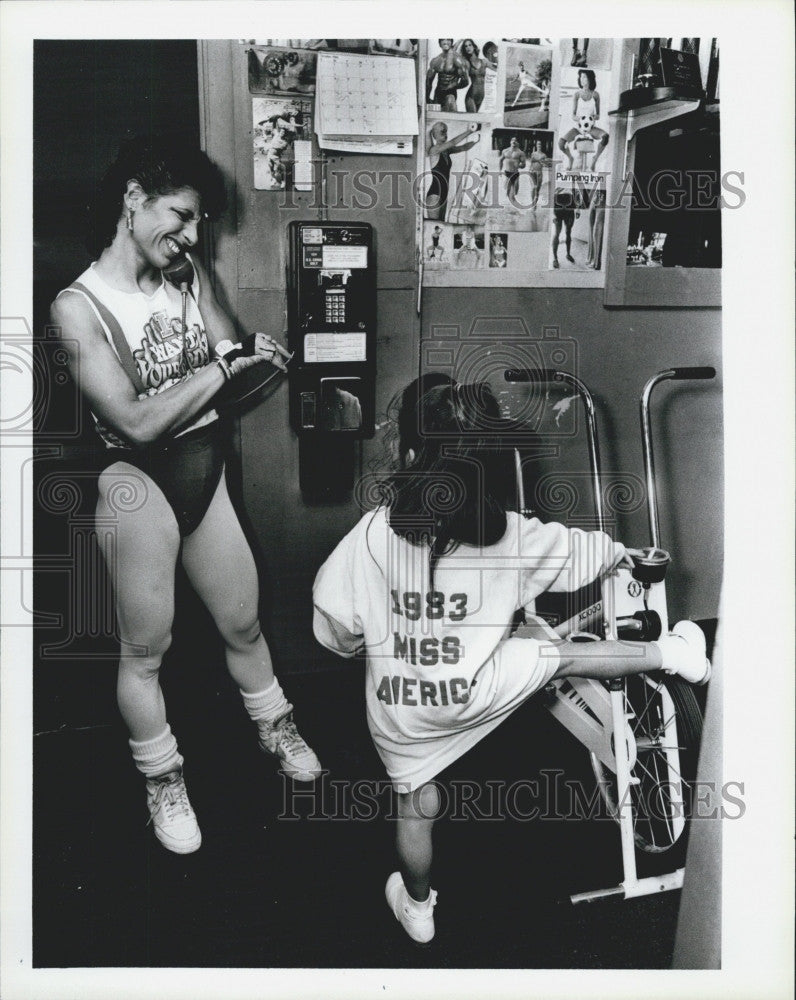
x=278, y=123
x=581, y=175
x=461, y=76
x=516, y=193
x=483, y=196
x=279, y=70
x=527, y=78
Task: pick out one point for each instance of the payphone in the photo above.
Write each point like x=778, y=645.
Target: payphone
x=331, y=296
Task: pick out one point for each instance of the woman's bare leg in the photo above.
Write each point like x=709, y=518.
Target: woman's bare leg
x=139, y=538
x=221, y=568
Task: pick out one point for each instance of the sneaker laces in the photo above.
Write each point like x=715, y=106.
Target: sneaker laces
x=171, y=796
x=289, y=739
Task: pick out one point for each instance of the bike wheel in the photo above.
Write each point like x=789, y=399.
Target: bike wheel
x=666, y=722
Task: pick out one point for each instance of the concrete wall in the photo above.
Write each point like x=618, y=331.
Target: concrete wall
x=616, y=352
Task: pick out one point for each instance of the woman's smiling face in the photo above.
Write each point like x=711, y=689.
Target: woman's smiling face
x=165, y=226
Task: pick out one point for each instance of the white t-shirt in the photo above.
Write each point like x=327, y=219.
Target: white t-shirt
x=151, y=325
x=441, y=670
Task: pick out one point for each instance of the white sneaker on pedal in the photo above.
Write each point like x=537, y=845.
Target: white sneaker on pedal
x=417, y=919
x=171, y=815
x=683, y=652
x=281, y=738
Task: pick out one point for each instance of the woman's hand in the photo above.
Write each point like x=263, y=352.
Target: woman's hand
x=268, y=349
x=254, y=349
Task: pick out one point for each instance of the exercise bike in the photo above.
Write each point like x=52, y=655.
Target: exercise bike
x=642, y=732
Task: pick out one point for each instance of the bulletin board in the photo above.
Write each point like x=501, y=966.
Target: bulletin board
x=515, y=160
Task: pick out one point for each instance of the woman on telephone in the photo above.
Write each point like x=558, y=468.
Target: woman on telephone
x=149, y=358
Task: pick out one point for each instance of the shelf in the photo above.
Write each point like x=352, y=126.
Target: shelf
x=643, y=107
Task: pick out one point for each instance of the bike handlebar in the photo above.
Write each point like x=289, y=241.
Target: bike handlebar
x=683, y=374
x=551, y=374
x=532, y=375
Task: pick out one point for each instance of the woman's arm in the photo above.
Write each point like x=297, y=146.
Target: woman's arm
x=463, y=71
x=111, y=394
x=596, y=105
x=219, y=326
x=450, y=145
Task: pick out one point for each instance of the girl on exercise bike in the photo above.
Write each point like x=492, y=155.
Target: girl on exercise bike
x=426, y=587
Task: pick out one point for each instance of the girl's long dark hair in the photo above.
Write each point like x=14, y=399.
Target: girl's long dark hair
x=456, y=482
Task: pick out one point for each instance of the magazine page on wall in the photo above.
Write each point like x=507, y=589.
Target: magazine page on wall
x=514, y=195
x=582, y=175
x=277, y=124
x=461, y=75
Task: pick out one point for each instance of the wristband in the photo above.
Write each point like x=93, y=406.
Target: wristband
x=231, y=352
x=223, y=364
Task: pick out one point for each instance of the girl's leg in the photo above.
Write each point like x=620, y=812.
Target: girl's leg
x=221, y=568
x=563, y=145
x=140, y=544
x=409, y=893
x=682, y=652
x=607, y=660
x=602, y=139
x=416, y=814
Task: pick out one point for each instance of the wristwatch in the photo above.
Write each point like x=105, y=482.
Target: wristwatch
x=231, y=352
x=223, y=347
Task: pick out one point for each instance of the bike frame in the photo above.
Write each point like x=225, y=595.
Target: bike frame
x=595, y=713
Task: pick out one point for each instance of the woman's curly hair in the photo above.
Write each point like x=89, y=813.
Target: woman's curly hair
x=161, y=165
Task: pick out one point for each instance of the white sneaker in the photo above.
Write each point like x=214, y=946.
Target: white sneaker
x=171, y=815
x=417, y=919
x=683, y=652
x=281, y=738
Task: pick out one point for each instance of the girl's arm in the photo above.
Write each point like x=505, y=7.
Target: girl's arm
x=334, y=635
x=596, y=105
x=563, y=560
x=575, y=106
x=335, y=622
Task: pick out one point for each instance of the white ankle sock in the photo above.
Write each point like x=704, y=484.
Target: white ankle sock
x=415, y=905
x=157, y=756
x=268, y=704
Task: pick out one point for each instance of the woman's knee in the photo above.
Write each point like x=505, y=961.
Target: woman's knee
x=239, y=626
x=141, y=657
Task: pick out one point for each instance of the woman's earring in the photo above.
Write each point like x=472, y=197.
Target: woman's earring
x=130, y=220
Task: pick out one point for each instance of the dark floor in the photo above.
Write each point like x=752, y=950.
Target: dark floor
x=265, y=891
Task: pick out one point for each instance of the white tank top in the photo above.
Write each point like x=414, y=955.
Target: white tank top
x=151, y=326
x=586, y=105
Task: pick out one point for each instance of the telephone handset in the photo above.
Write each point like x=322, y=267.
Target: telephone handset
x=181, y=274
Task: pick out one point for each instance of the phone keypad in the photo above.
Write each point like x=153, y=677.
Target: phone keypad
x=335, y=308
